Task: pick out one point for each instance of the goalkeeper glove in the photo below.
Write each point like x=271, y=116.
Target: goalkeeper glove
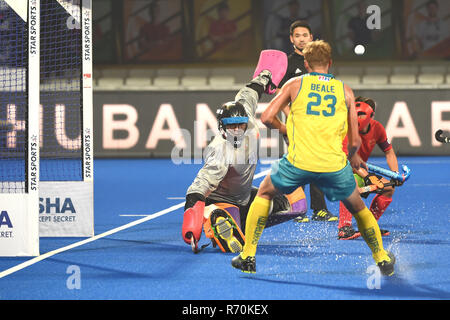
x=192, y=198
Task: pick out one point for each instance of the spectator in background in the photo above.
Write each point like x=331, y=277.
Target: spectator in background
x=154, y=34
x=430, y=28
x=358, y=31
x=286, y=22
x=223, y=29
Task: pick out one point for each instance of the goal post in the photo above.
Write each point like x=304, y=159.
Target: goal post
x=88, y=102
x=19, y=127
x=66, y=200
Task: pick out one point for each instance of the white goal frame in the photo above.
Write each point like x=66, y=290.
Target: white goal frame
x=21, y=233
x=79, y=221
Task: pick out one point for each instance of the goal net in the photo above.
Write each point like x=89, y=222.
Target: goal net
x=19, y=127
x=66, y=166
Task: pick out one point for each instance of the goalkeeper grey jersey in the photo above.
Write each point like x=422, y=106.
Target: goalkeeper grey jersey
x=227, y=173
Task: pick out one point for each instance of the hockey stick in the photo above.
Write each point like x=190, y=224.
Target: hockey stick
x=194, y=246
x=402, y=177
x=440, y=137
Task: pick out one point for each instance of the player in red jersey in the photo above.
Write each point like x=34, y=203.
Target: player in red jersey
x=372, y=133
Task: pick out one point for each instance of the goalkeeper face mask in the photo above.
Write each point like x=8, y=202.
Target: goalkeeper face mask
x=236, y=135
x=365, y=114
x=232, y=122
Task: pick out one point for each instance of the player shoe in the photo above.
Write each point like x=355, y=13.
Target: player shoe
x=387, y=267
x=348, y=233
x=247, y=265
x=226, y=233
x=302, y=218
x=323, y=215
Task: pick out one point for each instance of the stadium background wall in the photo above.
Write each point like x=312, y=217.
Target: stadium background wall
x=140, y=124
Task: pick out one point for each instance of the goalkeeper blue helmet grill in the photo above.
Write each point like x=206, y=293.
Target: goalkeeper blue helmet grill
x=233, y=120
x=232, y=112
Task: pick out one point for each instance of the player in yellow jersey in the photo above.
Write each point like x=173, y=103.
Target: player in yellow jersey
x=322, y=113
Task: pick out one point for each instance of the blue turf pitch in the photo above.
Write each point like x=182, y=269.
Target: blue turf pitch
x=294, y=261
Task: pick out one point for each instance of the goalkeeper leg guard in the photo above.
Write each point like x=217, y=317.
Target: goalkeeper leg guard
x=225, y=231
x=191, y=229
x=297, y=200
x=287, y=207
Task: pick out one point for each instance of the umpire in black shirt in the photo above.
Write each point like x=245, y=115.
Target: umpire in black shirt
x=300, y=35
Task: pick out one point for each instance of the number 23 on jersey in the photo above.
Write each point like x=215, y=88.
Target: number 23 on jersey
x=315, y=106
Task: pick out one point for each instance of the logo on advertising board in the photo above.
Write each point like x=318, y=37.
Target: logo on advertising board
x=6, y=225
x=56, y=209
x=324, y=78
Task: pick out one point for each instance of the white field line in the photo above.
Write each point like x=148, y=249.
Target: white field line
x=256, y=176
x=91, y=239
x=146, y=218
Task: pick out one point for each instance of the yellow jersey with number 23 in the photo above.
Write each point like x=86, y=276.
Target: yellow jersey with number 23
x=317, y=124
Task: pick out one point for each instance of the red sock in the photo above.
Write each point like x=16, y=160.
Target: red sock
x=345, y=217
x=379, y=205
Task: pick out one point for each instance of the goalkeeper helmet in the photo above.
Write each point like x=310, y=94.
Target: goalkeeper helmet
x=365, y=114
x=232, y=113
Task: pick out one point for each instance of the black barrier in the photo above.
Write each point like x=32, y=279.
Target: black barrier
x=164, y=124
x=151, y=124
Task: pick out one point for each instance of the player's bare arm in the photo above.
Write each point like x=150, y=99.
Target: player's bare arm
x=354, y=140
x=282, y=99
x=286, y=109
x=391, y=159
